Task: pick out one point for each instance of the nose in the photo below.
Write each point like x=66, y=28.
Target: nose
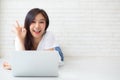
x=37, y=25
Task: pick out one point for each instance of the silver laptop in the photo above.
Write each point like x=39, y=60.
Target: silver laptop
x=34, y=63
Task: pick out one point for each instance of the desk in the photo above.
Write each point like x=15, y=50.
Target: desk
x=79, y=68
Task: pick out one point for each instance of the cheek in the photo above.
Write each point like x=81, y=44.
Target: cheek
x=31, y=27
x=43, y=26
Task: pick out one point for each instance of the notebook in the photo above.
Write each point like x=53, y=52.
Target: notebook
x=34, y=63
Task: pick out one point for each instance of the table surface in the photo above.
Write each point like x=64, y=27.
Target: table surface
x=78, y=68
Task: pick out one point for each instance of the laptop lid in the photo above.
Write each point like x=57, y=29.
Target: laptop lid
x=34, y=63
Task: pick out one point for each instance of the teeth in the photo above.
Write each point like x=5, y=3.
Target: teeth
x=37, y=30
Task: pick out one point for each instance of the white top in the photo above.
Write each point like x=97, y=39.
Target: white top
x=48, y=41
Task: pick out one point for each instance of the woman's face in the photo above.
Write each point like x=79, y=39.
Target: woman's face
x=37, y=27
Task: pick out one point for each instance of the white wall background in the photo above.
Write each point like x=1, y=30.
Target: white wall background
x=80, y=26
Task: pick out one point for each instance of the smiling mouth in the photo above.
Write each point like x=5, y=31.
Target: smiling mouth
x=37, y=31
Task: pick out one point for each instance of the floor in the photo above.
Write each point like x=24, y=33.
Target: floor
x=78, y=68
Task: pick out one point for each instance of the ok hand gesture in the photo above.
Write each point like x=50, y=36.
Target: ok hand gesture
x=19, y=31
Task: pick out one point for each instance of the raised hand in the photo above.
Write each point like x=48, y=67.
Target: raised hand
x=19, y=31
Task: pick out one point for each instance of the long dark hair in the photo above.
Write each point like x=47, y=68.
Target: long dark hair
x=28, y=20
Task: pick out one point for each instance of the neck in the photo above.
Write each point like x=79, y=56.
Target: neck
x=36, y=42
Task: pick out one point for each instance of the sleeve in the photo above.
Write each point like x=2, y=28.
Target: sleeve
x=48, y=42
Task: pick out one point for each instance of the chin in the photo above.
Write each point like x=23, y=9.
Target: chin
x=37, y=36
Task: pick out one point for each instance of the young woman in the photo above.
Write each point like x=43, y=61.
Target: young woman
x=34, y=34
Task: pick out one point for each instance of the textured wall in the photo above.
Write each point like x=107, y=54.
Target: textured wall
x=81, y=26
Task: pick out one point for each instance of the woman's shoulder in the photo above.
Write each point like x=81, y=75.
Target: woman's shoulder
x=49, y=35
x=48, y=40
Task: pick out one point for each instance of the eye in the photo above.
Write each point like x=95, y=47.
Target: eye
x=41, y=22
x=33, y=21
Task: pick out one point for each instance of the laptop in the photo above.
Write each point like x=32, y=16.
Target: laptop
x=34, y=63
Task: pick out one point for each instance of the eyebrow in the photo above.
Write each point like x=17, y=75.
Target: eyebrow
x=42, y=19
x=39, y=20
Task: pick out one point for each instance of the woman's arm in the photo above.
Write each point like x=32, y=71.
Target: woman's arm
x=19, y=44
x=20, y=33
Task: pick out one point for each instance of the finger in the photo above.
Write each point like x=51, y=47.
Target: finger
x=14, y=29
x=5, y=63
x=17, y=24
x=17, y=28
x=23, y=29
x=7, y=67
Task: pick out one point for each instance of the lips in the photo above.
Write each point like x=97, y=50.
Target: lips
x=37, y=31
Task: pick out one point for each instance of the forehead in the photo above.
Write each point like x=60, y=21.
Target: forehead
x=39, y=17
